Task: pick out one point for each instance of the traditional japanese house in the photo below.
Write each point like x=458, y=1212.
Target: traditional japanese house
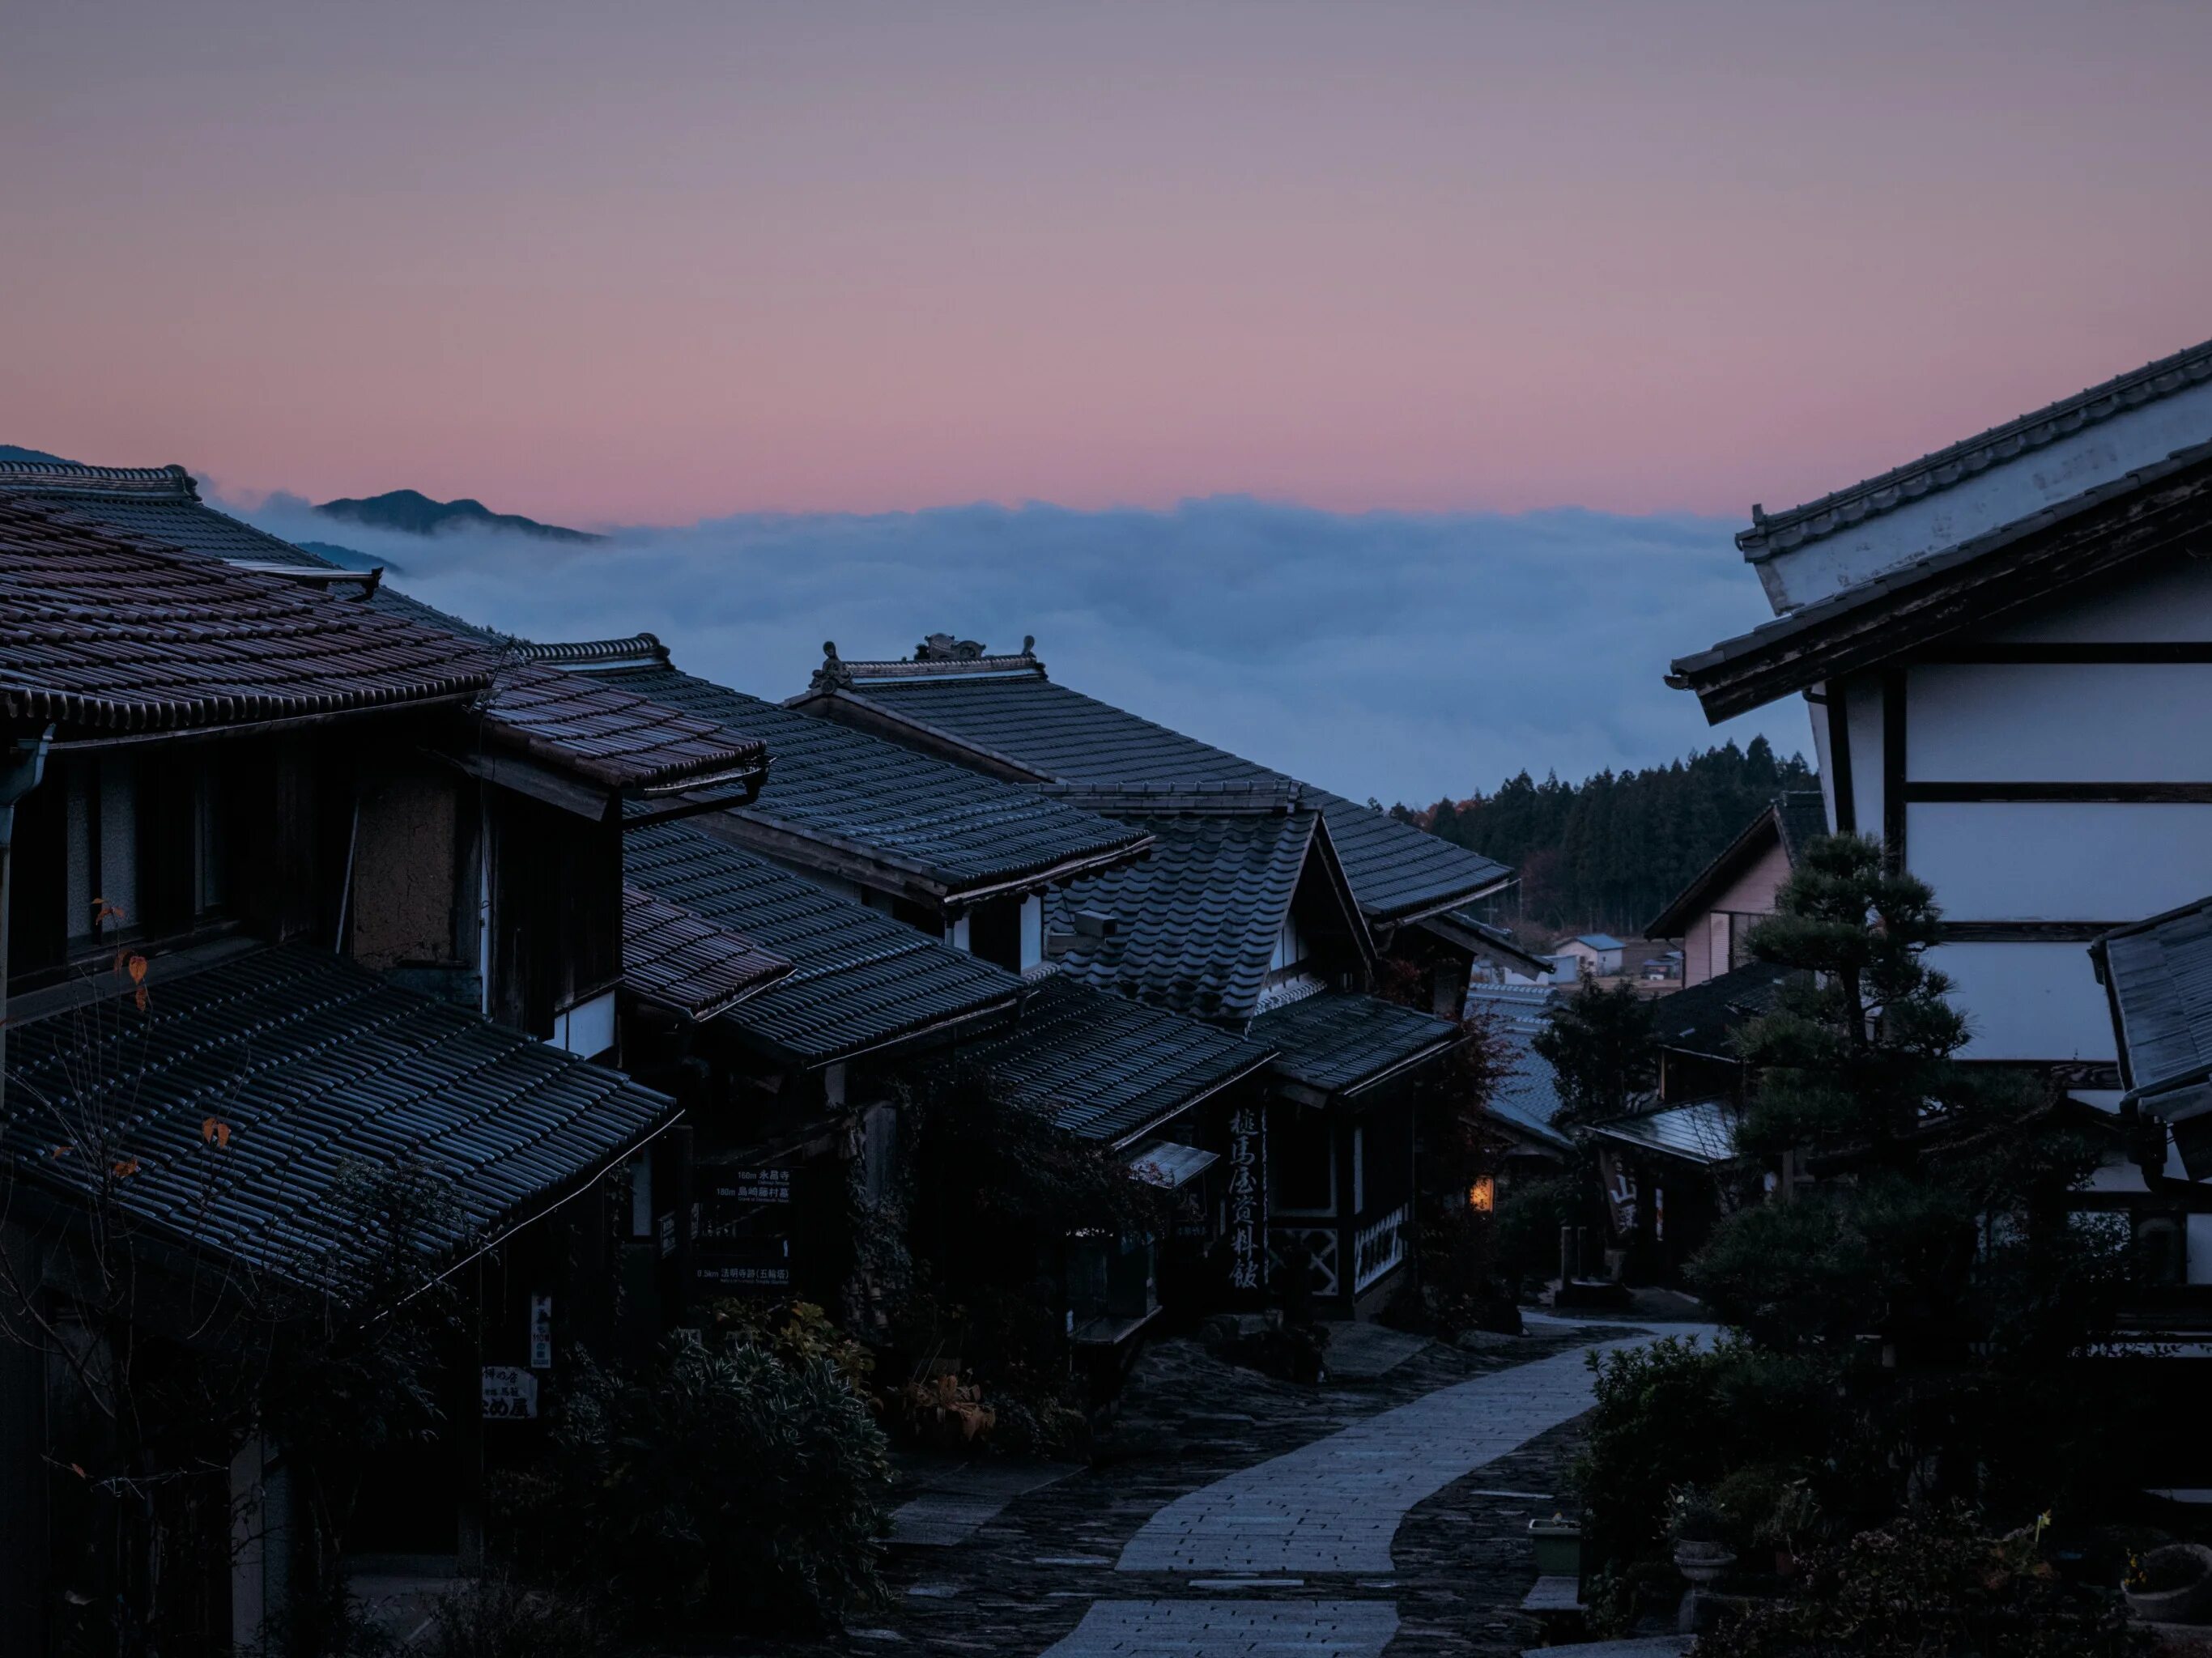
x=1242, y=917
x=1423, y=898
x=793, y=1087
x=2005, y=647
x=963, y=856
x=1714, y=914
x=1525, y=1100
x=250, y=792
x=1179, y=1101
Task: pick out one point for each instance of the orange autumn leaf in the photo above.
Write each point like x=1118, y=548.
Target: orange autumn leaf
x=126, y=1169
x=216, y=1132
x=138, y=970
x=77, y=1468
x=64, y=1150
x=139, y=997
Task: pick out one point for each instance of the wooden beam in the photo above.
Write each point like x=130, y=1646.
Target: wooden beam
x=1893, y=770
x=2045, y=792
x=1840, y=757
x=2052, y=933
x=2086, y=652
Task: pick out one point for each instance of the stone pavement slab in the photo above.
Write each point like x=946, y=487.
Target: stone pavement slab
x=1230, y=1629
x=967, y=1497
x=1358, y=1352
x=1335, y=1504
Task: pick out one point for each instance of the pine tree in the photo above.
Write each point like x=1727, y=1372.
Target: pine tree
x=1931, y=1260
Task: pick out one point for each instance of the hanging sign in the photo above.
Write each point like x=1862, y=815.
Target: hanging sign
x=541, y=1333
x=510, y=1394
x=1246, y=1143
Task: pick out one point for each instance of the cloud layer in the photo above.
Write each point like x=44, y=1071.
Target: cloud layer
x=1399, y=655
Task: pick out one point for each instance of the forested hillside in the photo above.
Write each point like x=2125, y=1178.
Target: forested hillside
x=1609, y=852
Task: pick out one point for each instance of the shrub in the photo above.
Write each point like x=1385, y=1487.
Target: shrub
x=719, y=1483
x=1932, y=1586
x=499, y=1618
x=1673, y=1416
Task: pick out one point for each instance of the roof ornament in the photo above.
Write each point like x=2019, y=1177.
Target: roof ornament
x=832, y=675
x=944, y=648
x=1029, y=646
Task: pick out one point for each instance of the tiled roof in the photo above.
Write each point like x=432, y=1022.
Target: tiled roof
x=311, y=1066
x=1703, y=1133
x=1778, y=532
x=1005, y=706
x=1802, y=816
x=1341, y=1043
x=1700, y=1019
x=2153, y=509
x=1196, y=923
x=163, y=504
x=955, y=828
x=1108, y=1068
x=858, y=978
x=615, y=737
x=2158, y=974
x=683, y=961
x=1526, y=1095
x=103, y=632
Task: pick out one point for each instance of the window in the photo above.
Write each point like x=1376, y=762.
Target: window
x=1482, y=1196
x=1301, y=1153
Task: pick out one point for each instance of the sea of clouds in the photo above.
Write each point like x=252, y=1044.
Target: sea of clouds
x=1402, y=656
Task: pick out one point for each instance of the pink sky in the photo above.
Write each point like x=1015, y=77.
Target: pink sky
x=653, y=261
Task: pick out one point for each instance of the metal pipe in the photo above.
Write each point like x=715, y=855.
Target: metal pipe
x=20, y=771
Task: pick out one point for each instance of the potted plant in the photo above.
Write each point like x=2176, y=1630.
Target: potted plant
x=1698, y=1529
x=1558, y=1543
x=2169, y=1585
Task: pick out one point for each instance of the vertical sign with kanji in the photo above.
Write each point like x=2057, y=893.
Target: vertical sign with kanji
x=541, y=1333
x=1247, y=1147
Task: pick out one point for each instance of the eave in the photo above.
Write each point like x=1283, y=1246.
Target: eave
x=2149, y=512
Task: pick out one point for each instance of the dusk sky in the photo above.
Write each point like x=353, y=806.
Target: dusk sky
x=661, y=263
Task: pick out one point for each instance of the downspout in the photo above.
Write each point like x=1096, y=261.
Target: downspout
x=20, y=770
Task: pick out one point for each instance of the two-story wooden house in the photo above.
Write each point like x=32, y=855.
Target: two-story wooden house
x=254, y=790
x=1251, y=913
x=2005, y=648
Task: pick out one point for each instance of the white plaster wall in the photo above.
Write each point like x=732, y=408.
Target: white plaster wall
x=2075, y=722
x=1862, y=709
x=1999, y=495
x=2051, y=861
x=2165, y=599
x=2028, y=1001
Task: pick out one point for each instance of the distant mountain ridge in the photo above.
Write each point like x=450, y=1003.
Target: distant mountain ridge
x=17, y=451
x=412, y=513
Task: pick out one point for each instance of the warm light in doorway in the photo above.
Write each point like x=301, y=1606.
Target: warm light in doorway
x=1482, y=1196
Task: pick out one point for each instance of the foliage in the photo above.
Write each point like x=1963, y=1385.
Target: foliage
x=1611, y=850
x=794, y=1331
x=1933, y=1268
x=1693, y=1516
x=1528, y=1216
x=1601, y=1044
x=497, y=1617
x=1932, y=1585
x=1675, y=1416
x=715, y=1484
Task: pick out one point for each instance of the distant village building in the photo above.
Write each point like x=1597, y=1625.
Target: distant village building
x=2006, y=648
x=1592, y=954
x=1714, y=914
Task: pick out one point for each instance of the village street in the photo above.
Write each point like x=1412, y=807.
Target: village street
x=1227, y=1513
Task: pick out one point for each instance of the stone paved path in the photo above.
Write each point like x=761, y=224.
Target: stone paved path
x=1336, y=1505
x=1230, y=1629
x=967, y=1496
